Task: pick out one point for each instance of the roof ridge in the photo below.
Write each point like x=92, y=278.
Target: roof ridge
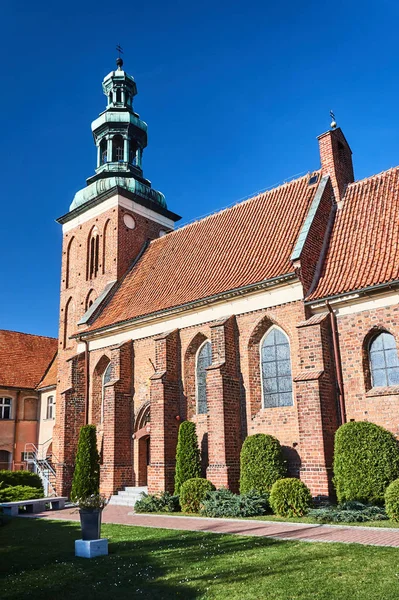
x=374, y=176
x=47, y=337
x=234, y=206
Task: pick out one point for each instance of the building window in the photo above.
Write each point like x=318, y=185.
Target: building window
x=276, y=369
x=117, y=148
x=103, y=151
x=50, y=412
x=106, y=379
x=204, y=360
x=384, y=362
x=94, y=248
x=5, y=408
x=5, y=460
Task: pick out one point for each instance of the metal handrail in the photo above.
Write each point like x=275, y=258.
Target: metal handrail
x=42, y=465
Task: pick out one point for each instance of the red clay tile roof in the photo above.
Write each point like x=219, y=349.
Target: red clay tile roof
x=24, y=358
x=50, y=377
x=246, y=244
x=364, y=246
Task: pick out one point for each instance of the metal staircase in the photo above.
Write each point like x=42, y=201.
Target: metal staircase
x=41, y=462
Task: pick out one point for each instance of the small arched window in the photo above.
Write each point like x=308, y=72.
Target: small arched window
x=204, y=360
x=106, y=379
x=118, y=95
x=103, y=151
x=384, y=362
x=276, y=369
x=117, y=148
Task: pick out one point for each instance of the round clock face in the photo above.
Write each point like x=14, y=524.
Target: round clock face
x=129, y=221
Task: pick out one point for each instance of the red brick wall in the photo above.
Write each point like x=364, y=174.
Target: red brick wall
x=336, y=160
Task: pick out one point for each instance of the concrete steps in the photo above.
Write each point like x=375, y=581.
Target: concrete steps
x=128, y=496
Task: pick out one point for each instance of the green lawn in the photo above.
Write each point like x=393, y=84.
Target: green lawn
x=37, y=561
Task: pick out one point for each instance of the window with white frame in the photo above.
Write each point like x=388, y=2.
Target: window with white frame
x=106, y=379
x=50, y=410
x=276, y=369
x=5, y=408
x=384, y=361
x=204, y=360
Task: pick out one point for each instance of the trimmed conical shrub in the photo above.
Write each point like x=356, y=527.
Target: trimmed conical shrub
x=366, y=461
x=188, y=461
x=86, y=477
x=261, y=463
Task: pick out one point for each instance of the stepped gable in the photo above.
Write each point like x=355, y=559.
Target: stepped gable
x=24, y=358
x=364, y=245
x=239, y=246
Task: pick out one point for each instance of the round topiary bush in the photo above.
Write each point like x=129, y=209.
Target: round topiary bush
x=262, y=463
x=392, y=500
x=17, y=493
x=366, y=461
x=86, y=477
x=290, y=497
x=193, y=492
x=188, y=461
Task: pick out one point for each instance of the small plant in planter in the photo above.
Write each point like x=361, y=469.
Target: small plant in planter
x=86, y=484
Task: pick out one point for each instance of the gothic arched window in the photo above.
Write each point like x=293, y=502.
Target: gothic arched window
x=276, y=369
x=106, y=379
x=204, y=360
x=94, y=249
x=384, y=362
x=117, y=148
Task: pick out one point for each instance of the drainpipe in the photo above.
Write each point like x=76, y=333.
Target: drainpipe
x=337, y=362
x=87, y=372
x=14, y=446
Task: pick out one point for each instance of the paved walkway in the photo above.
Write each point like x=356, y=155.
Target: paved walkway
x=282, y=531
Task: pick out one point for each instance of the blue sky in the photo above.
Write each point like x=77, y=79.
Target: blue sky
x=234, y=94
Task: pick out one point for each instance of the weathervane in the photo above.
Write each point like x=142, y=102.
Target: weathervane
x=119, y=60
x=333, y=124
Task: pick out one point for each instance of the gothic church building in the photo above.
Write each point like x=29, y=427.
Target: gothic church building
x=279, y=315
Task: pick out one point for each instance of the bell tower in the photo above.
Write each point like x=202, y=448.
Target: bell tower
x=106, y=228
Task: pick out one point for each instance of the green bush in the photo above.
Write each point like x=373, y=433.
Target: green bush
x=188, y=461
x=19, y=492
x=10, y=478
x=366, y=461
x=193, y=492
x=86, y=477
x=163, y=503
x=349, y=512
x=262, y=463
x=392, y=500
x=223, y=503
x=290, y=497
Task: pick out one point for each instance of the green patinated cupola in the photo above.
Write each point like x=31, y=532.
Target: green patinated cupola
x=120, y=137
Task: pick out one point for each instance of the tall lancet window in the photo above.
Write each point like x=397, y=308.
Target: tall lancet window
x=106, y=379
x=94, y=249
x=204, y=360
x=103, y=151
x=384, y=362
x=276, y=369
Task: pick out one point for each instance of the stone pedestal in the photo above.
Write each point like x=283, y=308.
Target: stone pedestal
x=91, y=548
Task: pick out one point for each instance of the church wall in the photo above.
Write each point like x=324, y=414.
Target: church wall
x=378, y=405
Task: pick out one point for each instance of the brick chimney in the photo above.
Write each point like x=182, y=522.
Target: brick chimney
x=336, y=160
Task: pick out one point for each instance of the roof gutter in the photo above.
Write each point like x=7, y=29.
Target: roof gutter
x=319, y=302
x=253, y=287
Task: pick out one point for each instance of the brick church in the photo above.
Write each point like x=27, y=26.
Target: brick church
x=279, y=315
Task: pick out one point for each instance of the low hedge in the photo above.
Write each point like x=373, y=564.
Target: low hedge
x=19, y=492
x=366, y=461
x=290, y=497
x=150, y=503
x=193, y=492
x=25, y=478
x=223, y=503
x=349, y=512
x=261, y=463
x=392, y=500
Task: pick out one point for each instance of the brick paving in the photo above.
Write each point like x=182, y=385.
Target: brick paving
x=124, y=515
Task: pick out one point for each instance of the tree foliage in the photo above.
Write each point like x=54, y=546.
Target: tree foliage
x=290, y=497
x=193, y=492
x=86, y=477
x=188, y=461
x=366, y=461
x=262, y=463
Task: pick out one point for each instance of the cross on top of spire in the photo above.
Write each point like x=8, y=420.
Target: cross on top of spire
x=119, y=60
